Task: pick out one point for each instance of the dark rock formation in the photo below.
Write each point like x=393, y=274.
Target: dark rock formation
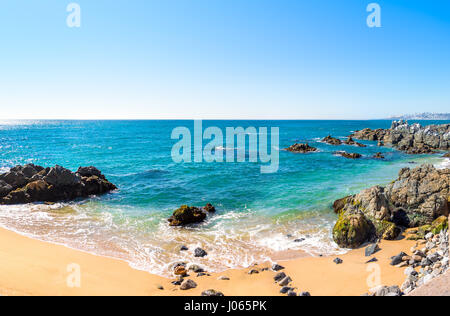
x=332, y=141
x=186, y=215
x=412, y=139
x=348, y=155
x=378, y=156
x=416, y=198
x=351, y=142
x=31, y=183
x=301, y=148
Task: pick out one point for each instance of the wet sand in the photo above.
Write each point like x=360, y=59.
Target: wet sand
x=32, y=267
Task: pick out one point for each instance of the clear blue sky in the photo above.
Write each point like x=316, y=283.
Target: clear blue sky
x=278, y=59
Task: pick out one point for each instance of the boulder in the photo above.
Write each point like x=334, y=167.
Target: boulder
x=209, y=208
x=212, y=293
x=186, y=215
x=378, y=156
x=352, y=229
x=301, y=148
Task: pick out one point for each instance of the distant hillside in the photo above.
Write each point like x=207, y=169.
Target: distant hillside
x=422, y=116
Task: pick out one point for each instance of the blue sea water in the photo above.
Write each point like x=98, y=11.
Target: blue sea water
x=259, y=215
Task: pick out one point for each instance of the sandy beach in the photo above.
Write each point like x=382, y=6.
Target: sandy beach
x=32, y=267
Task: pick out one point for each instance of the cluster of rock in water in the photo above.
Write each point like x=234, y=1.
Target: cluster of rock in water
x=31, y=183
x=412, y=139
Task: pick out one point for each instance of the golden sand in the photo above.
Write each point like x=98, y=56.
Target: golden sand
x=32, y=267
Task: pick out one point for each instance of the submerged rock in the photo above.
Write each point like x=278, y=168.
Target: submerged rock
x=301, y=148
x=31, y=183
x=378, y=156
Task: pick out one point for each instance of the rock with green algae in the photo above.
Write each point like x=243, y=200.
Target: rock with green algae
x=352, y=229
x=186, y=215
x=439, y=225
x=386, y=230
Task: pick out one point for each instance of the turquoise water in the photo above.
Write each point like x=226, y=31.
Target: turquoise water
x=258, y=216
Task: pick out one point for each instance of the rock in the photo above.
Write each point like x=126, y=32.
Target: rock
x=412, y=139
x=279, y=276
x=160, y=287
x=209, y=208
x=253, y=271
x=396, y=260
x=186, y=215
x=304, y=294
x=332, y=141
x=89, y=172
x=180, y=270
x=285, y=289
x=285, y=281
x=351, y=142
x=277, y=267
x=301, y=148
x=299, y=240
x=352, y=229
x=184, y=248
x=348, y=155
x=338, y=261
x=371, y=249
x=196, y=268
x=410, y=271
x=31, y=183
x=188, y=284
x=378, y=156
x=291, y=293
x=372, y=260
x=212, y=293
x=199, y=252
x=447, y=155
x=223, y=278
x=438, y=225
x=340, y=204
x=415, y=199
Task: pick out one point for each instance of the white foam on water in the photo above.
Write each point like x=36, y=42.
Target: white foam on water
x=232, y=239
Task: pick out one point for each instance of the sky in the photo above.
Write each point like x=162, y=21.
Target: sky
x=223, y=59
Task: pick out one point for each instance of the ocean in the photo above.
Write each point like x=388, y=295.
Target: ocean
x=258, y=215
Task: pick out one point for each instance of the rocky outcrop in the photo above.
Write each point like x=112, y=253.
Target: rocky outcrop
x=31, y=183
x=332, y=141
x=412, y=139
x=186, y=215
x=447, y=155
x=301, y=148
x=378, y=156
x=416, y=198
x=351, y=142
x=348, y=155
